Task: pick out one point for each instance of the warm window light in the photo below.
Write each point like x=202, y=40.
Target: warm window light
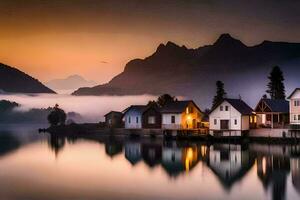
x=189, y=158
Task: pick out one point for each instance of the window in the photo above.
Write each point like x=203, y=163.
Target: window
x=187, y=110
x=235, y=121
x=191, y=109
x=295, y=117
x=215, y=121
x=129, y=119
x=221, y=108
x=296, y=102
x=226, y=108
x=151, y=120
x=137, y=120
x=173, y=119
x=298, y=117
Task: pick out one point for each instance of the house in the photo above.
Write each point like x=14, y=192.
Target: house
x=142, y=116
x=294, y=109
x=181, y=115
x=272, y=113
x=113, y=119
x=231, y=117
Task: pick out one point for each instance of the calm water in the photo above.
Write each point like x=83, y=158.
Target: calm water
x=37, y=166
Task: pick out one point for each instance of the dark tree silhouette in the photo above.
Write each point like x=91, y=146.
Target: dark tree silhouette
x=220, y=93
x=165, y=99
x=57, y=116
x=276, y=88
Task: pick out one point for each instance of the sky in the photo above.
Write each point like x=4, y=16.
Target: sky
x=95, y=39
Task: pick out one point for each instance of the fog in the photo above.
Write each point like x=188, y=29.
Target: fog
x=92, y=108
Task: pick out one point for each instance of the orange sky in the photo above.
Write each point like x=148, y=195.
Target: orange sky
x=95, y=39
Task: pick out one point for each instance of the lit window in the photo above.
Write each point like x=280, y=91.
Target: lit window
x=151, y=120
x=187, y=110
x=221, y=108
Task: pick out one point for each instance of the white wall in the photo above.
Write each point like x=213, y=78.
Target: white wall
x=230, y=115
x=294, y=110
x=167, y=121
x=133, y=115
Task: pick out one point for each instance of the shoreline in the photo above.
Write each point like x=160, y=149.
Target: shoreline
x=96, y=131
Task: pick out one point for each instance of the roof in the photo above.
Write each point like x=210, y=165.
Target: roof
x=295, y=90
x=276, y=105
x=116, y=112
x=238, y=104
x=140, y=108
x=177, y=106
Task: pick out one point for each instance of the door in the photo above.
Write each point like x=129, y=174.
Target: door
x=194, y=123
x=224, y=124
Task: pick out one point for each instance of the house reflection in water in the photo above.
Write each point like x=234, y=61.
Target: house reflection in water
x=151, y=154
x=113, y=148
x=273, y=171
x=176, y=160
x=133, y=152
x=229, y=162
x=295, y=168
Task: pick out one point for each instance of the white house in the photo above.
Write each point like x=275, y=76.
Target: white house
x=181, y=115
x=231, y=117
x=295, y=107
x=133, y=116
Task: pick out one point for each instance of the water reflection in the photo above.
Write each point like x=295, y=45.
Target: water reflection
x=229, y=162
x=167, y=169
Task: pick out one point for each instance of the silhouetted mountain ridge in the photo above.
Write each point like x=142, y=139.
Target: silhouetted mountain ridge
x=71, y=82
x=192, y=72
x=13, y=80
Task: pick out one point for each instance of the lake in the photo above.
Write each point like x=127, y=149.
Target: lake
x=40, y=166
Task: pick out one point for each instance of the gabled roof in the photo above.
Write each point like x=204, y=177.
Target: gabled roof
x=238, y=104
x=116, y=112
x=177, y=106
x=141, y=108
x=137, y=108
x=295, y=90
x=275, y=105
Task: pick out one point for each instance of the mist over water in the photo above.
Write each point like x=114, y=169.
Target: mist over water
x=92, y=108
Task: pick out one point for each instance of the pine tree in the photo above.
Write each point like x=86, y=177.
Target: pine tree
x=276, y=88
x=220, y=93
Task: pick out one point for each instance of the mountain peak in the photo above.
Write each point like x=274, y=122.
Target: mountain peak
x=226, y=39
x=170, y=47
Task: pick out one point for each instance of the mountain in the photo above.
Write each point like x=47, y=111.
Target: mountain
x=13, y=80
x=70, y=83
x=193, y=72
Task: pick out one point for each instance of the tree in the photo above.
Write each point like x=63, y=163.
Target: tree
x=220, y=93
x=165, y=99
x=57, y=116
x=276, y=88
